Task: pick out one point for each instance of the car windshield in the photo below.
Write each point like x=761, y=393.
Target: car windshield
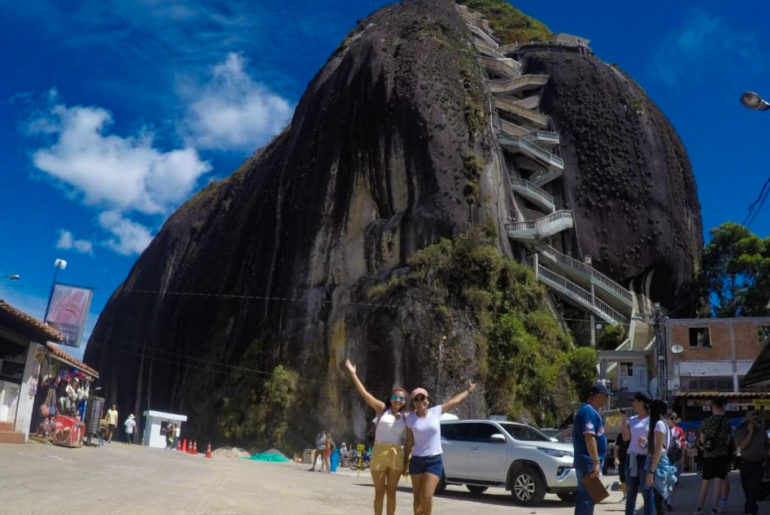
x=524, y=433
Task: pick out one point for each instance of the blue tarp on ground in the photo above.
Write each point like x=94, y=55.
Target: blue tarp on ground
x=263, y=456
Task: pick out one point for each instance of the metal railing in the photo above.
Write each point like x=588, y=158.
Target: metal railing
x=548, y=137
x=591, y=273
x=533, y=150
x=513, y=85
x=542, y=227
x=580, y=295
x=481, y=34
x=542, y=178
x=505, y=66
x=511, y=129
x=526, y=188
x=534, y=117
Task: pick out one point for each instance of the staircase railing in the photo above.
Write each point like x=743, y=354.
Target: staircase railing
x=590, y=272
x=518, y=184
x=532, y=149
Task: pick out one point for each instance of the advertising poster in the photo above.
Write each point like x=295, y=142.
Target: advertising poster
x=69, y=312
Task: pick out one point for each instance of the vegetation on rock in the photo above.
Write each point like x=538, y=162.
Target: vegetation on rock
x=509, y=24
x=610, y=337
x=524, y=354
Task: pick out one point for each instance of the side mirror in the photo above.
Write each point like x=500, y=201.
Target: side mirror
x=497, y=438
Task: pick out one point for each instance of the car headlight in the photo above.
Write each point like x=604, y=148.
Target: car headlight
x=555, y=452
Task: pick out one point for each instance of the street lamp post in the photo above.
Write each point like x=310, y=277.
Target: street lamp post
x=438, y=376
x=12, y=277
x=754, y=101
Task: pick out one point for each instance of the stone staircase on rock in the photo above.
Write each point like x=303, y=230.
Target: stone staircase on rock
x=535, y=170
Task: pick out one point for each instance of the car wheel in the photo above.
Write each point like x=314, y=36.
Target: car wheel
x=476, y=490
x=441, y=485
x=527, y=487
x=567, y=497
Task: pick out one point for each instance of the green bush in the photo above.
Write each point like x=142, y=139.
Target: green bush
x=523, y=352
x=610, y=337
x=509, y=24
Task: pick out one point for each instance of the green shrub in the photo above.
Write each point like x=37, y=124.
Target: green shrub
x=509, y=24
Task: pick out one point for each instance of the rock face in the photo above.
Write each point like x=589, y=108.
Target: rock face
x=389, y=150
x=628, y=178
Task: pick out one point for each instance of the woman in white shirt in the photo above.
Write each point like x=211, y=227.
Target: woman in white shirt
x=387, y=462
x=635, y=432
x=660, y=475
x=423, y=440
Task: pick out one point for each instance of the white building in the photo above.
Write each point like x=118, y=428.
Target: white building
x=155, y=424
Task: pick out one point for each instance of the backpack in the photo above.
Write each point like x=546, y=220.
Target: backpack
x=674, y=448
x=713, y=442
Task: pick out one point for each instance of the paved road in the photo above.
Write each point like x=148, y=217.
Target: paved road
x=40, y=479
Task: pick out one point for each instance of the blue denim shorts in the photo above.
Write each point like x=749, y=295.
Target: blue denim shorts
x=422, y=464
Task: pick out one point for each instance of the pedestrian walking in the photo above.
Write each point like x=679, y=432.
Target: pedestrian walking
x=320, y=447
x=714, y=442
x=112, y=422
x=676, y=452
x=387, y=462
x=636, y=432
x=590, y=444
x=753, y=442
x=423, y=438
x=129, y=427
x=660, y=474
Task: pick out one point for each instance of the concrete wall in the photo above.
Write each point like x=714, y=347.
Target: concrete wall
x=734, y=346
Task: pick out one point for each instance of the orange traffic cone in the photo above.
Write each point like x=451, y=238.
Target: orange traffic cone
x=195, y=447
x=184, y=445
x=179, y=445
x=208, y=451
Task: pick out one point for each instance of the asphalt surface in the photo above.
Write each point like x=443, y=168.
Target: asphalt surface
x=40, y=479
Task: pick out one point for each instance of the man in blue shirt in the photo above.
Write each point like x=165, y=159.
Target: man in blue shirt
x=590, y=444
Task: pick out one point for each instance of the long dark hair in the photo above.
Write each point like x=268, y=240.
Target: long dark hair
x=658, y=410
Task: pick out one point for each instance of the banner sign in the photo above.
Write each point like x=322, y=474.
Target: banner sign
x=69, y=312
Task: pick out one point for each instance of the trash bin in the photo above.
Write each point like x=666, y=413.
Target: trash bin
x=334, y=460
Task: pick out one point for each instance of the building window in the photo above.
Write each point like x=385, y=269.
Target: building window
x=700, y=337
x=706, y=384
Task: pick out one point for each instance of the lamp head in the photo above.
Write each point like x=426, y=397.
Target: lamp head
x=754, y=101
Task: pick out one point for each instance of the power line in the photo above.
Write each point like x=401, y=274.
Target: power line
x=752, y=214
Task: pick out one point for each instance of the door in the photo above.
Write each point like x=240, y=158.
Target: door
x=488, y=457
x=455, y=441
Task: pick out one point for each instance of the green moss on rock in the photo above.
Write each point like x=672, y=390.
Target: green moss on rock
x=509, y=24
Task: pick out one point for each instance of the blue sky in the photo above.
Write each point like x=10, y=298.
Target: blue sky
x=113, y=113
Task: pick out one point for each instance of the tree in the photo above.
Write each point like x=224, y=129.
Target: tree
x=582, y=369
x=736, y=271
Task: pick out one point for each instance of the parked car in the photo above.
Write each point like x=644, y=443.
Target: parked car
x=518, y=457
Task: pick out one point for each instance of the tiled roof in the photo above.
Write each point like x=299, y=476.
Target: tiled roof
x=727, y=395
x=36, y=328
x=67, y=358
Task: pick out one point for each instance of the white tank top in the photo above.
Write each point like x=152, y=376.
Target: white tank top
x=390, y=429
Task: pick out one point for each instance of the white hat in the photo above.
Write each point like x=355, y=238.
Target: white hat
x=130, y=416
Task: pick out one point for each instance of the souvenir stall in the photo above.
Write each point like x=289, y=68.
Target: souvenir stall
x=21, y=352
x=62, y=397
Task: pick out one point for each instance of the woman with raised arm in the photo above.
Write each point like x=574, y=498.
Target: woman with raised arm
x=387, y=461
x=423, y=440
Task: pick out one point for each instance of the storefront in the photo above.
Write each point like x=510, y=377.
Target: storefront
x=22, y=349
x=61, y=400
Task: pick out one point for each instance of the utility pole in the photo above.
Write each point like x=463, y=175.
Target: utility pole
x=438, y=375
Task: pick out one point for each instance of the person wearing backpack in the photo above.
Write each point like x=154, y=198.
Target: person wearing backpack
x=714, y=441
x=676, y=451
x=753, y=441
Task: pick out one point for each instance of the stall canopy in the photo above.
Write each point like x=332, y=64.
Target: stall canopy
x=70, y=360
x=759, y=373
x=28, y=325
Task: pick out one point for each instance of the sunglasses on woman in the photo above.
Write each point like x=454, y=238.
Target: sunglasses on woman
x=419, y=398
x=399, y=398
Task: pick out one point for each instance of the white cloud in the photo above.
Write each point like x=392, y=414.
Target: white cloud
x=706, y=46
x=231, y=111
x=67, y=241
x=107, y=170
x=128, y=238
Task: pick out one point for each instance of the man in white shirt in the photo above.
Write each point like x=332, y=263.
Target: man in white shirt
x=129, y=426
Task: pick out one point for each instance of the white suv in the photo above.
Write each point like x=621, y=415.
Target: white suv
x=484, y=453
